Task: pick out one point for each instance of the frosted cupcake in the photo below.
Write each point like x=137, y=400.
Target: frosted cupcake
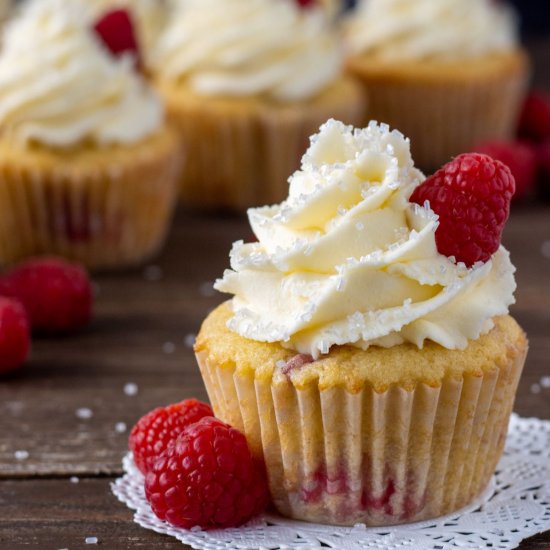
x=374, y=374
x=247, y=81
x=450, y=74
x=88, y=166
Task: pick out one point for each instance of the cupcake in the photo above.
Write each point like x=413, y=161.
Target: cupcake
x=374, y=374
x=247, y=81
x=88, y=165
x=450, y=74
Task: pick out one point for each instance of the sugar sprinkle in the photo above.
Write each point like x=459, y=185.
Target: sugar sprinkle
x=131, y=389
x=545, y=381
x=120, y=427
x=74, y=479
x=84, y=413
x=91, y=540
x=189, y=340
x=535, y=388
x=21, y=455
x=168, y=347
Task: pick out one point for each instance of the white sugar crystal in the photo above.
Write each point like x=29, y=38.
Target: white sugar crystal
x=153, y=273
x=189, y=340
x=91, y=540
x=535, y=388
x=84, y=413
x=168, y=347
x=130, y=389
x=120, y=427
x=207, y=289
x=545, y=381
x=74, y=479
x=21, y=455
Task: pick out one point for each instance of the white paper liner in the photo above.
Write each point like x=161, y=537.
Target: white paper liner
x=376, y=458
x=515, y=506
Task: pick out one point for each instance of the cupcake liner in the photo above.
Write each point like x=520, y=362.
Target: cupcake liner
x=446, y=114
x=106, y=209
x=241, y=151
x=334, y=456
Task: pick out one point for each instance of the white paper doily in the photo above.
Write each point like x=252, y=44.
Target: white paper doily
x=514, y=507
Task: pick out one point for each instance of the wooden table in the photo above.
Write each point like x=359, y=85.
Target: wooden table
x=141, y=336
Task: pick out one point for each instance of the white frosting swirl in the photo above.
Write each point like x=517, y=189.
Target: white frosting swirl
x=249, y=47
x=347, y=259
x=60, y=86
x=423, y=29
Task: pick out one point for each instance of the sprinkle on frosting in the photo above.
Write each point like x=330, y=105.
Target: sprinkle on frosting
x=249, y=47
x=431, y=29
x=347, y=259
x=60, y=86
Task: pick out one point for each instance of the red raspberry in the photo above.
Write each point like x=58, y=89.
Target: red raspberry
x=154, y=431
x=14, y=335
x=56, y=294
x=520, y=157
x=471, y=195
x=543, y=157
x=207, y=479
x=116, y=30
x=534, y=123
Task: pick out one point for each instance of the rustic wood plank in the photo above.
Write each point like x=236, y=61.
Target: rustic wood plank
x=54, y=514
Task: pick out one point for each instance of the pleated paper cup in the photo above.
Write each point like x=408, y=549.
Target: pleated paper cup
x=445, y=108
x=241, y=151
x=346, y=454
x=107, y=208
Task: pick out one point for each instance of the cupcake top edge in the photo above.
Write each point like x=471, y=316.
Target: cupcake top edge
x=240, y=48
x=397, y=30
x=351, y=257
x=60, y=85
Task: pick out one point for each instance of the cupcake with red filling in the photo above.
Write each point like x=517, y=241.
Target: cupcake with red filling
x=247, y=82
x=88, y=164
x=367, y=352
x=448, y=73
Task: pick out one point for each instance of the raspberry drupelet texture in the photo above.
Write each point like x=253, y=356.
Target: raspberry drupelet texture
x=14, y=335
x=56, y=294
x=207, y=479
x=151, y=435
x=520, y=157
x=471, y=195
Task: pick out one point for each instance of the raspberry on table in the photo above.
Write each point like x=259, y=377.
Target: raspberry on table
x=520, y=157
x=56, y=294
x=116, y=31
x=534, y=122
x=14, y=335
x=153, y=432
x=207, y=479
x=471, y=195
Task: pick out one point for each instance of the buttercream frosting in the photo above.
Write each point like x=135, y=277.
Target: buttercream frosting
x=347, y=259
x=424, y=29
x=249, y=47
x=59, y=85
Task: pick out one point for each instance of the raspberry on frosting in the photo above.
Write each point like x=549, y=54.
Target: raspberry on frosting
x=471, y=195
x=208, y=478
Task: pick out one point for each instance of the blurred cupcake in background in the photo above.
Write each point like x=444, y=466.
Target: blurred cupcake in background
x=448, y=73
x=149, y=17
x=247, y=82
x=88, y=165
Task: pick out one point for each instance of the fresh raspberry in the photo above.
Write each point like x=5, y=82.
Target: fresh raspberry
x=520, y=157
x=543, y=157
x=534, y=122
x=207, y=479
x=306, y=3
x=116, y=30
x=56, y=294
x=471, y=195
x=154, y=431
x=14, y=335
